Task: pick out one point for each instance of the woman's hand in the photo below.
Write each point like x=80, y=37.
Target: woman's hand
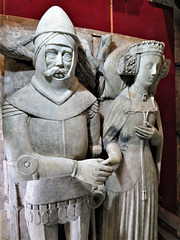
x=114, y=155
x=148, y=132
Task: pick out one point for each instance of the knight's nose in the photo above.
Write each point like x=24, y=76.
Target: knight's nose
x=59, y=60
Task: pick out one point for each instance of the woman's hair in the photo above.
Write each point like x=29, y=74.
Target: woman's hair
x=128, y=64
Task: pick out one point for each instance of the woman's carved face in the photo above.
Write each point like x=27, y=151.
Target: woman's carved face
x=149, y=68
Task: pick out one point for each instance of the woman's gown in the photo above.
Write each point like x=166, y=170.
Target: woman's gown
x=130, y=209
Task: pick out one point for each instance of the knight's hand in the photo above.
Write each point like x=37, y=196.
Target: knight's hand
x=93, y=171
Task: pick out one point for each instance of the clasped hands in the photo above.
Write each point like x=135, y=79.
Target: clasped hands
x=93, y=171
x=96, y=171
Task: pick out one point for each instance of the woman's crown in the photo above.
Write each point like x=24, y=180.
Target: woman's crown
x=147, y=46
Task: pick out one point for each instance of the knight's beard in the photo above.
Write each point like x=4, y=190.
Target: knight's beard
x=56, y=72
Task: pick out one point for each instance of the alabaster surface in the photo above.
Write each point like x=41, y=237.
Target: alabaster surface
x=81, y=127
x=49, y=127
x=133, y=123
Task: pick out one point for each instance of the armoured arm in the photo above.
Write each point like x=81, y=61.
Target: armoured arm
x=27, y=164
x=94, y=130
x=21, y=157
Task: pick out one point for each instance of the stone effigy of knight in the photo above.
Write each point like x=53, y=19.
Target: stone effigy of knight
x=49, y=127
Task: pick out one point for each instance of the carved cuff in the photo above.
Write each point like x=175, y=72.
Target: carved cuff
x=75, y=168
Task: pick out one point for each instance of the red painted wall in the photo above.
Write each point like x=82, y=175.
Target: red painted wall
x=134, y=18
x=1, y=6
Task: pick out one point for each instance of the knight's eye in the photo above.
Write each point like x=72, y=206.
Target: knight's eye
x=50, y=54
x=149, y=66
x=67, y=56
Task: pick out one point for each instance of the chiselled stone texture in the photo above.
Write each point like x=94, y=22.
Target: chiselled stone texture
x=18, y=73
x=133, y=187
x=47, y=142
x=4, y=222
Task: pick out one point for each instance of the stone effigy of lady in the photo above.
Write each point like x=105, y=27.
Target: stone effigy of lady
x=49, y=126
x=133, y=122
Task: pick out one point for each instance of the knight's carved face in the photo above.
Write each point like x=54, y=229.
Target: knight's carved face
x=58, y=59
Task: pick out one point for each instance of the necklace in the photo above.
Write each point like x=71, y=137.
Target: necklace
x=144, y=95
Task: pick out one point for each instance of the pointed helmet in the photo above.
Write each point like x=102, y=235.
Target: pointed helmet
x=55, y=20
